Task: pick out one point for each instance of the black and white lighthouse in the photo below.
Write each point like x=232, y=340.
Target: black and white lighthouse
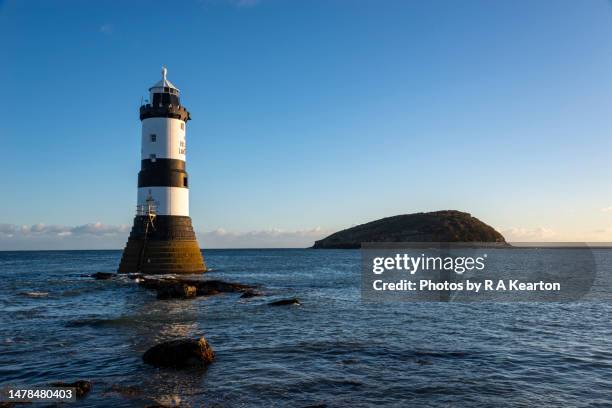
x=162, y=239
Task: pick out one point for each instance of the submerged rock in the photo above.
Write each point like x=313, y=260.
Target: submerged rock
x=127, y=391
x=285, y=302
x=102, y=275
x=82, y=387
x=180, y=353
x=176, y=291
x=249, y=293
x=166, y=401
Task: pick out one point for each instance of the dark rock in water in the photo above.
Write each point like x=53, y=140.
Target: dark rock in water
x=202, y=287
x=150, y=283
x=102, y=275
x=285, y=302
x=438, y=226
x=213, y=287
x=82, y=387
x=180, y=353
x=176, y=291
x=249, y=293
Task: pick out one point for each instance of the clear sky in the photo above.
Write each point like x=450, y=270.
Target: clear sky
x=309, y=116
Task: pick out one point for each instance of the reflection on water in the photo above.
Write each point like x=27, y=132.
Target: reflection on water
x=333, y=349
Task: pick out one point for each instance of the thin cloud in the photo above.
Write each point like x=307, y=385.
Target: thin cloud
x=245, y=3
x=606, y=209
x=232, y=3
x=94, y=235
x=43, y=230
x=107, y=29
x=272, y=238
x=519, y=234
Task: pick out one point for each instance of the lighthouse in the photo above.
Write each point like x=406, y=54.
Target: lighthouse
x=162, y=239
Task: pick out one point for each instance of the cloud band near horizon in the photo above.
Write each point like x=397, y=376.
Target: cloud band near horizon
x=102, y=236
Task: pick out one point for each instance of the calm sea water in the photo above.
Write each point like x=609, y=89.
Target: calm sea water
x=59, y=325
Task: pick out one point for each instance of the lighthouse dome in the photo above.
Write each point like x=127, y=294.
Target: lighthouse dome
x=164, y=86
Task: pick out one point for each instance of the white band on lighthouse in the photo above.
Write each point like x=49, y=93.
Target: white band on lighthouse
x=167, y=200
x=163, y=138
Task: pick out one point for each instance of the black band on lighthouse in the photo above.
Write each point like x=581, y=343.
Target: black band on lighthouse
x=164, y=111
x=162, y=164
x=163, y=173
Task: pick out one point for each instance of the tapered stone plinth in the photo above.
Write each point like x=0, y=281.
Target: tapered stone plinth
x=167, y=245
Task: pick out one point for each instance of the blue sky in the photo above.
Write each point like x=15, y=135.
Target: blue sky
x=309, y=116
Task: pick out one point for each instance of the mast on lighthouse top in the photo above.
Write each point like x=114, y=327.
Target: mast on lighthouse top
x=164, y=100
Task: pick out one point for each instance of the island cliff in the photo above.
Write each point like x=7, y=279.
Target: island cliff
x=437, y=226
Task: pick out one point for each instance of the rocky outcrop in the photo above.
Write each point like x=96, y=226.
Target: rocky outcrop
x=438, y=226
x=176, y=291
x=182, y=353
x=183, y=288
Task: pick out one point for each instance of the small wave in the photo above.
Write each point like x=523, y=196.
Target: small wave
x=95, y=322
x=34, y=294
x=29, y=313
x=440, y=353
x=78, y=291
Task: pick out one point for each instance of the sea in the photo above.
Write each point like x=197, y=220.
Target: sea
x=332, y=350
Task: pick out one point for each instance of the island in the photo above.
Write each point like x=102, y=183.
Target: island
x=437, y=226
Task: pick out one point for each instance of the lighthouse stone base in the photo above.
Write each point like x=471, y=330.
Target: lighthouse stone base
x=166, y=246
